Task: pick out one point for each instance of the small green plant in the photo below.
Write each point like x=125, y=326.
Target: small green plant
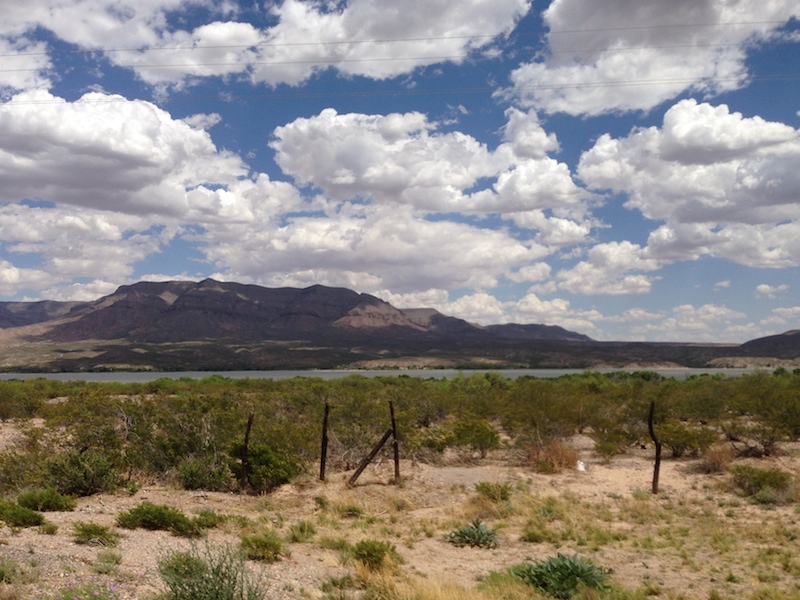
x=92, y=590
x=302, y=531
x=15, y=515
x=159, y=517
x=266, y=546
x=375, y=554
x=211, y=574
x=562, y=576
x=203, y=473
x=46, y=500
x=93, y=534
x=476, y=535
x=107, y=562
x=10, y=571
x=48, y=528
x=496, y=492
x=763, y=486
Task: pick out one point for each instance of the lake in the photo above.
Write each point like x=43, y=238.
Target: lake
x=146, y=376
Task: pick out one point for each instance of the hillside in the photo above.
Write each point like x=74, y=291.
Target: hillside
x=185, y=325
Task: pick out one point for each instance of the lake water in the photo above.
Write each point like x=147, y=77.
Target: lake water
x=144, y=377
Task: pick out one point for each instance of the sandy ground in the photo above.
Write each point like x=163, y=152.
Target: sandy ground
x=415, y=515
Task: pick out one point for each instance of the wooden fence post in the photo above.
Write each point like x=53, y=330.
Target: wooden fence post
x=395, y=444
x=657, y=466
x=244, y=481
x=324, y=452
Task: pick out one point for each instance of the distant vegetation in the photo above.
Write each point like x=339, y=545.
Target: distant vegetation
x=93, y=437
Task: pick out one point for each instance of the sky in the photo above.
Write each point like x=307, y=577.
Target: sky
x=626, y=169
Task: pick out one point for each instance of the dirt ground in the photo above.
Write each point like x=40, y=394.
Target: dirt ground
x=431, y=501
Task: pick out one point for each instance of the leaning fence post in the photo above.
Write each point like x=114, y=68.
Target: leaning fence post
x=245, y=479
x=324, y=451
x=369, y=457
x=395, y=444
x=657, y=465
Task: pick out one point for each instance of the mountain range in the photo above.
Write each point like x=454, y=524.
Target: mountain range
x=212, y=325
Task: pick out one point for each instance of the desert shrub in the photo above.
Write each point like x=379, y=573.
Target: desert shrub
x=562, y=576
x=266, y=546
x=15, y=515
x=475, y=535
x=107, y=562
x=552, y=457
x=476, y=434
x=10, y=571
x=160, y=517
x=203, y=473
x=86, y=590
x=763, y=486
x=682, y=439
x=209, y=519
x=269, y=468
x=302, y=531
x=375, y=554
x=716, y=459
x=46, y=500
x=94, y=534
x=82, y=473
x=496, y=492
x=212, y=574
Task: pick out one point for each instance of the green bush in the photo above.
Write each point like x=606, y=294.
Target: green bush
x=15, y=515
x=763, y=486
x=94, y=534
x=266, y=546
x=203, y=473
x=82, y=473
x=302, y=531
x=213, y=574
x=375, y=554
x=682, y=439
x=46, y=500
x=476, y=535
x=159, y=517
x=477, y=434
x=562, y=576
x=496, y=492
x=269, y=468
x=10, y=571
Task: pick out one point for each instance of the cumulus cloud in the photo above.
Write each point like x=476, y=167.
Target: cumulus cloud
x=376, y=39
x=724, y=185
x=385, y=248
x=770, y=291
x=610, y=268
x=106, y=152
x=621, y=56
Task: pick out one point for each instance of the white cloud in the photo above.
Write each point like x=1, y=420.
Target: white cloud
x=706, y=323
x=396, y=158
x=608, y=270
x=770, y=291
x=372, y=38
x=386, y=248
x=724, y=184
x=105, y=152
x=620, y=55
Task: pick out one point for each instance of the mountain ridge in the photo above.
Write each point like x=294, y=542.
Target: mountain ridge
x=187, y=325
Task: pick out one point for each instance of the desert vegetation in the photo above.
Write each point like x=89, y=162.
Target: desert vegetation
x=223, y=474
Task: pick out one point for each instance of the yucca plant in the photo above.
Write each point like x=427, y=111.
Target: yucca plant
x=475, y=535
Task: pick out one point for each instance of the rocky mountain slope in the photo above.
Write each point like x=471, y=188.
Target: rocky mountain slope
x=185, y=325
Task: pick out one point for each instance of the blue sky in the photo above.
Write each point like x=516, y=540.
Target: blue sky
x=630, y=171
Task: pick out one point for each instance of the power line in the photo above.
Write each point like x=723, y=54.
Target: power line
x=112, y=99
x=537, y=33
